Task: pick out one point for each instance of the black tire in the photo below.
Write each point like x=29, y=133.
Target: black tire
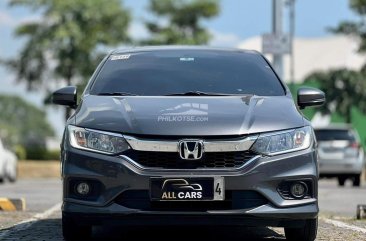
x=2, y=180
x=74, y=232
x=12, y=179
x=357, y=180
x=306, y=233
x=341, y=181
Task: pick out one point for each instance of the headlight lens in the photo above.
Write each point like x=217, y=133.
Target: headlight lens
x=283, y=142
x=98, y=141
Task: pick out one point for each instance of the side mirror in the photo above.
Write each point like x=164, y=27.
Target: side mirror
x=307, y=96
x=65, y=96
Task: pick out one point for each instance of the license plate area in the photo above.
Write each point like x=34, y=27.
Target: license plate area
x=187, y=189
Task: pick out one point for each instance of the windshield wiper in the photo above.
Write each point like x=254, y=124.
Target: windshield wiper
x=197, y=93
x=117, y=94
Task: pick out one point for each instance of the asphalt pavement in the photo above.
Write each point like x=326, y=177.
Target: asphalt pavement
x=40, y=194
x=340, y=201
x=42, y=220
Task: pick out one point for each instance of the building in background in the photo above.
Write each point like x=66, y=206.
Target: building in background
x=313, y=54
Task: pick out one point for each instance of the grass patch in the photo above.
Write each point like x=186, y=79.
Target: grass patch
x=38, y=169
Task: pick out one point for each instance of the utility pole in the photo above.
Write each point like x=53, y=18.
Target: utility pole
x=277, y=31
x=277, y=43
x=292, y=35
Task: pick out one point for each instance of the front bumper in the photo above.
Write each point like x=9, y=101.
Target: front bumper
x=263, y=176
x=265, y=216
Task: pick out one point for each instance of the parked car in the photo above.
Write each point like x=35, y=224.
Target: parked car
x=188, y=136
x=8, y=164
x=341, y=154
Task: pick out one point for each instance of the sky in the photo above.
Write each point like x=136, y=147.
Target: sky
x=238, y=20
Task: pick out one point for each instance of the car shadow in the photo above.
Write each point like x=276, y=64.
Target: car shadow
x=51, y=230
x=185, y=233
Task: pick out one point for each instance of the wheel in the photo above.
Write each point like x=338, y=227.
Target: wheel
x=341, y=181
x=74, y=232
x=2, y=176
x=12, y=176
x=357, y=180
x=306, y=233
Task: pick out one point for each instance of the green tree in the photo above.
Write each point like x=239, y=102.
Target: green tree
x=343, y=89
x=22, y=123
x=357, y=28
x=180, y=21
x=64, y=45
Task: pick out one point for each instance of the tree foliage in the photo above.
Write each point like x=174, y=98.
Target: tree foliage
x=358, y=28
x=22, y=123
x=180, y=21
x=344, y=89
x=64, y=44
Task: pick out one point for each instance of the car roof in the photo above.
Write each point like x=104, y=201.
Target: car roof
x=337, y=126
x=180, y=47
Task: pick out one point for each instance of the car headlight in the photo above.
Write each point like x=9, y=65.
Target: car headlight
x=97, y=141
x=283, y=141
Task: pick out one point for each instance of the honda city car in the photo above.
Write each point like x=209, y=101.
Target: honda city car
x=341, y=154
x=188, y=135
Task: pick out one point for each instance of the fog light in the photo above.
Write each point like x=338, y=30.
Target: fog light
x=298, y=189
x=83, y=188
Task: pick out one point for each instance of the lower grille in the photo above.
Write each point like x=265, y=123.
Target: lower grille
x=140, y=199
x=172, y=160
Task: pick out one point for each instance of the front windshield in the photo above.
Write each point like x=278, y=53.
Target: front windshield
x=164, y=72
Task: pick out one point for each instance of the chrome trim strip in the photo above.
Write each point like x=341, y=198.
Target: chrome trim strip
x=156, y=169
x=209, y=145
x=229, y=145
x=151, y=145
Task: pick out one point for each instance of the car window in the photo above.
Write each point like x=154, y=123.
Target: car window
x=328, y=135
x=163, y=72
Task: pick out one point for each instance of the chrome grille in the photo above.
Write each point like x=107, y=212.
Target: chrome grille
x=172, y=160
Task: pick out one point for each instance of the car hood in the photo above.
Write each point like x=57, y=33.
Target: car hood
x=188, y=116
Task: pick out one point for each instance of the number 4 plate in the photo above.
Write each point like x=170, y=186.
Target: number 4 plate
x=219, y=188
x=187, y=189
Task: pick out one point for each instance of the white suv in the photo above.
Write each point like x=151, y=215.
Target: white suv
x=340, y=153
x=8, y=164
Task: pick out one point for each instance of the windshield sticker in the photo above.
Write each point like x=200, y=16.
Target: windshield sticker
x=186, y=59
x=120, y=57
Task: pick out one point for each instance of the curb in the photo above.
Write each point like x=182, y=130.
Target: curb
x=8, y=204
x=344, y=225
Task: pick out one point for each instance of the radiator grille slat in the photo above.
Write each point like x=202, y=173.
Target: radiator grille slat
x=172, y=160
